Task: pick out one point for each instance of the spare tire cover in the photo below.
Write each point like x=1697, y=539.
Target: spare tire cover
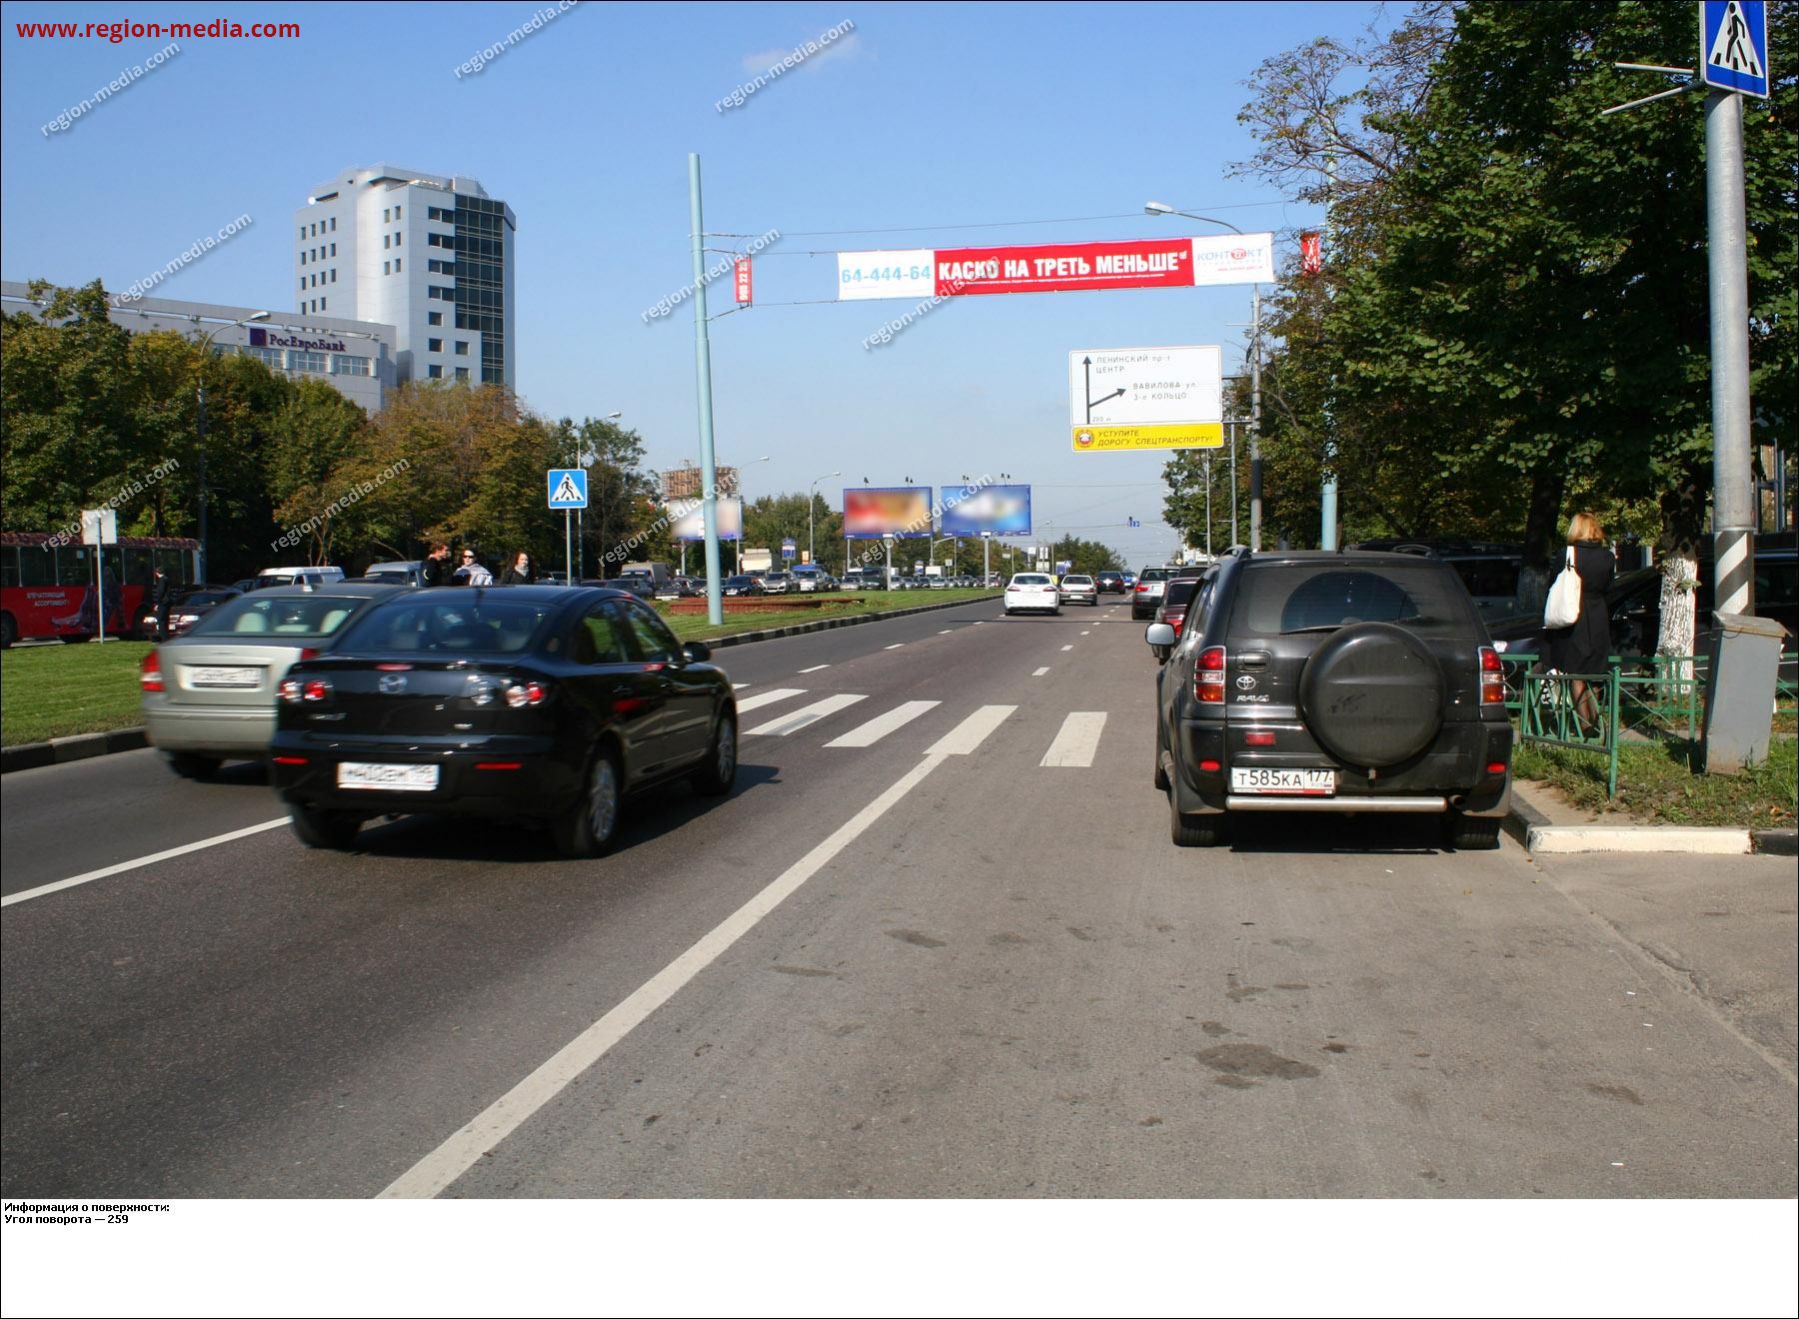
x=1372, y=695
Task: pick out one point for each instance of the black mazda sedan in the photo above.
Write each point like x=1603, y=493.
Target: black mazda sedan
x=530, y=701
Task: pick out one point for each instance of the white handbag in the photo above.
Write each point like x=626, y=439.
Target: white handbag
x=1563, y=605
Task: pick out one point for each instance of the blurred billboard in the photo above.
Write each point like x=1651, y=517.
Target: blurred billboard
x=903, y=511
x=969, y=510
x=690, y=519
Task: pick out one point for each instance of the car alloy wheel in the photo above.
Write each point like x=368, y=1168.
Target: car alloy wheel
x=602, y=801
x=718, y=775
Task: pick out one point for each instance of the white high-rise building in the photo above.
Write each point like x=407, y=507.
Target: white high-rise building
x=429, y=254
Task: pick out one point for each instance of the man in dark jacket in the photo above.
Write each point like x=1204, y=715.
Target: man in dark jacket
x=437, y=566
x=162, y=600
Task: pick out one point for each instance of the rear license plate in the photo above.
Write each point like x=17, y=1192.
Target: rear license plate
x=1298, y=782
x=387, y=778
x=210, y=676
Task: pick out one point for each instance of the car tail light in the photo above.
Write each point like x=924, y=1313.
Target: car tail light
x=309, y=652
x=149, y=673
x=1178, y=621
x=296, y=690
x=1258, y=739
x=1208, y=678
x=1492, y=677
x=1497, y=767
x=1210, y=766
x=1143, y=586
x=290, y=760
x=522, y=694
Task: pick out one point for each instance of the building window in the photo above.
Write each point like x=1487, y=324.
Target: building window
x=396, y=212
x=462, y=373
x=387, y=267
x=346, y=364
x=434, y=345
x=334, y=224
x=384, y=215
x=434, y=318
x=302, y=257
x=302, y=233
x=317, y=363
x=269, y=357
x=386, y=241
x=324, y=303
x=334, y=249
x=334, y=274
x=434, y=372
x=397, y=264
x=462, y=347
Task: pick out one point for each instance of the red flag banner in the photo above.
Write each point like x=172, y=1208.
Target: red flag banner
x=1311, y=253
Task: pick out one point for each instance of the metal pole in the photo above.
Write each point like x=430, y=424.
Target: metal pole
x=1733, y=516
x=1255, y=425
x=568, y=545
x=702, y=366
x=202, y=468
x=1206, y=463
x=1327, y=498
x=1236, y=424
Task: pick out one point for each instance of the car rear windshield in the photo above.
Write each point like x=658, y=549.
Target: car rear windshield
x=1078, y=581
x=300, y=616
x=1030, y=579
x=1178, y=593
x=1155, y=574
x=1282, y=598
x=454, y=627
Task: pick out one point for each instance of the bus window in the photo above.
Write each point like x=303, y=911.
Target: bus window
x=73, y=566
x=9, y=565
x=137, y=566
x=36, y=567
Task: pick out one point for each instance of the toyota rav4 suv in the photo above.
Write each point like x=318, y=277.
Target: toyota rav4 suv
x=1332, y=683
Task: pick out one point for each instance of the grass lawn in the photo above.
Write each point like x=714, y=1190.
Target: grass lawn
x=694, y=627
x=1656, y=782
x=52, y=691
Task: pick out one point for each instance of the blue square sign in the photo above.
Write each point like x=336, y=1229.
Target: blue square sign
x=568, y=487
x=1733, y=45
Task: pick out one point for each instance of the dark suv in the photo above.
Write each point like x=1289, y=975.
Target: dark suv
x=1332, y=682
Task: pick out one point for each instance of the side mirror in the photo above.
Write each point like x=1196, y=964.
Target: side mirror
x=697, y=652
x=1159, y=634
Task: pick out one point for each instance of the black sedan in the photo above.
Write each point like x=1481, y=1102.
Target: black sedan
x=189, y=608
x=532, y=701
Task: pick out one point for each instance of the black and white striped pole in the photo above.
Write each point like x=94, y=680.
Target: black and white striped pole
x=1733, y=502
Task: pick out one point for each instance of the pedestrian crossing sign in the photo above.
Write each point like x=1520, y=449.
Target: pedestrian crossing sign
x=568, y=487
x=1733, y=45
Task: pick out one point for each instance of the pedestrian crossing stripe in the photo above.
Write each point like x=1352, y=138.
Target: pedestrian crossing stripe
x=1075, y=745
x=804, y=717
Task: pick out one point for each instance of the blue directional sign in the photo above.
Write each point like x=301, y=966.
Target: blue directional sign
x=1733, y=45
x=568, y=487
x=789, y=549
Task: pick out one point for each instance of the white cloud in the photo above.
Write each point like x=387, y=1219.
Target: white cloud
x=849, y=44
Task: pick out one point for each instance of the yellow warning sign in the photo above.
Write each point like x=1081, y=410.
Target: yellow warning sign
x=1115, y=439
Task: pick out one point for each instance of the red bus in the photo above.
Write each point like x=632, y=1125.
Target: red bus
x=47, y=588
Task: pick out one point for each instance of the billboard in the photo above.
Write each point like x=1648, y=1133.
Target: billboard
x=969, y=510
x=1172, y=262
x=869, y=514
x=690, y=519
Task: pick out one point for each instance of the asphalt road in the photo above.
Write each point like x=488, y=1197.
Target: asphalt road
x=952, y=955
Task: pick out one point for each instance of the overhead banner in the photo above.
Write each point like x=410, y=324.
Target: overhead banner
x=1146, y=398
x=690, y=519
x=1056, y=267
x=870, y=514
x=999, y=510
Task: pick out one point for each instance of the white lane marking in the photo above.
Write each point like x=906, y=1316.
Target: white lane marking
x=1084, y=634
x=972, y=731
x=815, y=668
x=1070, y=646
x=895, y=646
x=875, y=729
x=1040, y=672
x=107, y=871
x=979, y=621
x=437, y=1170
x=946, y=631
x=738, y=686
x=1077, y=741
x=805, y=716
x=768, y=697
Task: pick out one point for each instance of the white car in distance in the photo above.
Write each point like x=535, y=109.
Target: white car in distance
x=1032, y=591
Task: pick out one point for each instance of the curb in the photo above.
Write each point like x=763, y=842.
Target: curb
x=1775, y=842
x=1567, y=838
x=62, y=750
x=825, y=624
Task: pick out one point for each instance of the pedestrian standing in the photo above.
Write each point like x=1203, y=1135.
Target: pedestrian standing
x=1586, y=647
x=162, y=599
x=436, y=568
x=521, y=573
x=473, y=572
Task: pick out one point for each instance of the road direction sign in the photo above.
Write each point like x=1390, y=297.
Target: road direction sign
x=568, y=487
x=788, y=549
x=1733, y=45
x=1126, y=399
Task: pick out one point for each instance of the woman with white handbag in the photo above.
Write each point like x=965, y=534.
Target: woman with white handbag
x=1583, y=646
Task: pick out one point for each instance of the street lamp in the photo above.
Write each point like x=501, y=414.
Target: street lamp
x=200, y=425
x=811, y=504
x=1255, y=404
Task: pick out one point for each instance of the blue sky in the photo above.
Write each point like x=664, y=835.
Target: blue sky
x=935, y=118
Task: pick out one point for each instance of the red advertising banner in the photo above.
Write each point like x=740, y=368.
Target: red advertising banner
x=1311, y=254
x=743, y=279
x=1066, y=267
